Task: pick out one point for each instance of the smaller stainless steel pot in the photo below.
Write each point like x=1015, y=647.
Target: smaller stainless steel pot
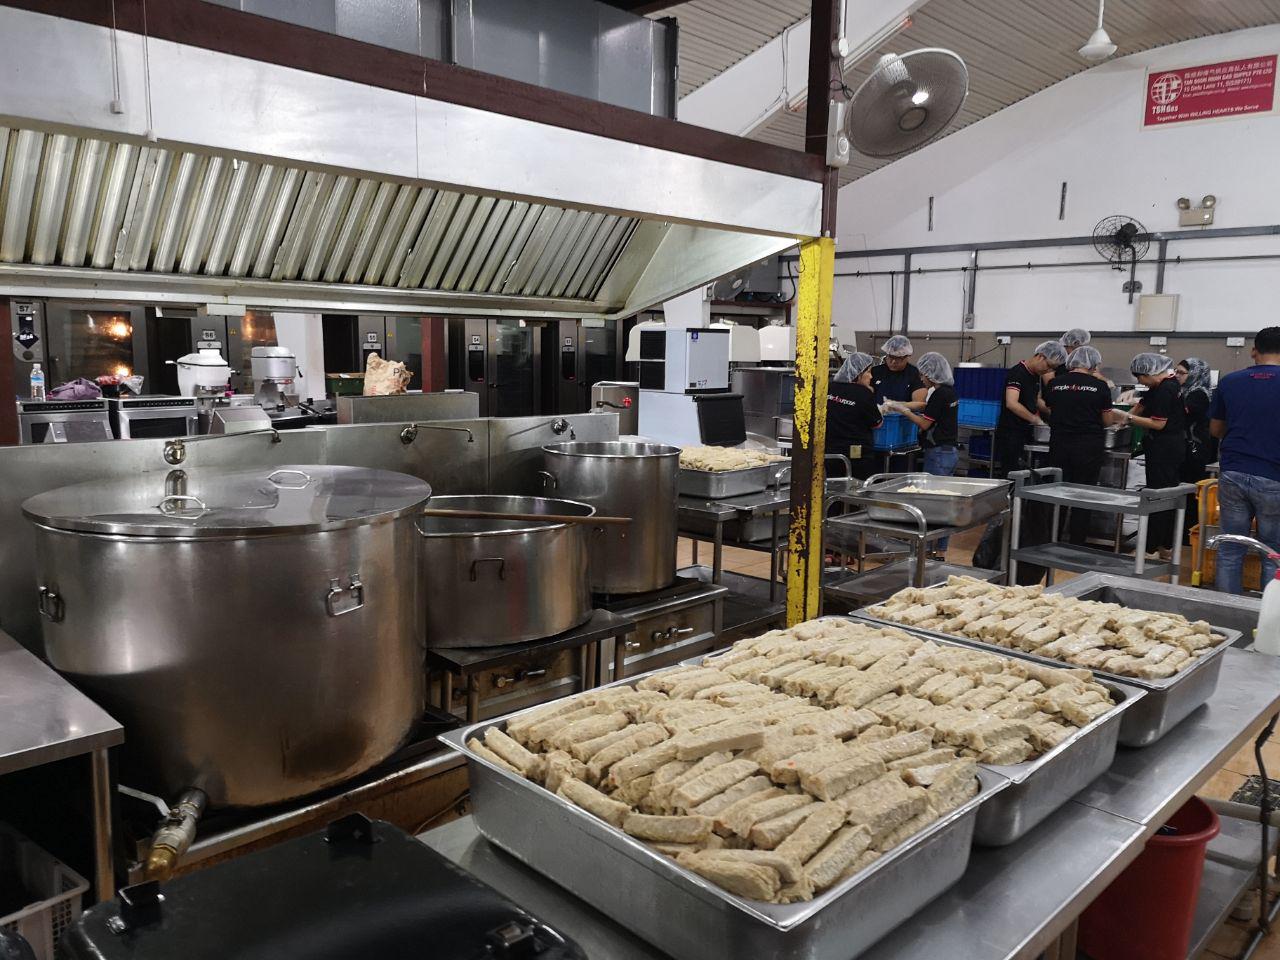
x=494, y=582
x=1041, y=432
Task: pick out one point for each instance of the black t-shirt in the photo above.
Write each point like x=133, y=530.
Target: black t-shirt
x=895, y=386
x=1076, y=402
x=1028, y=387
x=851, y=416
x=942, y=408
x=1164, y=402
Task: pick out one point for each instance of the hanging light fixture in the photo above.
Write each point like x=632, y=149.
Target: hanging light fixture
x=1099, y=45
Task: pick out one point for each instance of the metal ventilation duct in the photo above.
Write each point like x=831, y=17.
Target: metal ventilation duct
x=78, y=202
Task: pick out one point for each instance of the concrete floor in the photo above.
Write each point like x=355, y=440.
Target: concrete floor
x=1233, y=936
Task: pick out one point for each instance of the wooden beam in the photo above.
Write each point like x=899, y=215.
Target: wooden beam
x=208, y=26
x=435, y=374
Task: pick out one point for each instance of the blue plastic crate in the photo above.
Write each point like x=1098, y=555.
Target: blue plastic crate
x=979, y=413
x=896, y=431
x=981, y=383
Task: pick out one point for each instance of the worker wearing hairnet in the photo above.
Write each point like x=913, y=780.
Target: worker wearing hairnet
x=1079, y=402
x=1164, y=443
x=1023, y=405
x=852, y=413
x=895, y=377
x=1202, y=446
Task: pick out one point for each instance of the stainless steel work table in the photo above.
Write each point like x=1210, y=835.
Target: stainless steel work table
x=1013, y=901
x=45, y=719
x=703, y=520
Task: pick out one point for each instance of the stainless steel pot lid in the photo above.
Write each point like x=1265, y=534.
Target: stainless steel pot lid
x=497, y=503
x=611, y=448
x=200, y=504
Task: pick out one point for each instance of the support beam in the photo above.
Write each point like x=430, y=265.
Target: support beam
x=809, y=434
x=8, y=384
x=435, y=374
x=813, y=336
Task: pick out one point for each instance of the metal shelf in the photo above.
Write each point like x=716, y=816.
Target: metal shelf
x=1227, y=877
x=1066, y=556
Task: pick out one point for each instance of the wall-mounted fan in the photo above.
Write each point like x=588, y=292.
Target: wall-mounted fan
x=1120, y=240
x=908, y=100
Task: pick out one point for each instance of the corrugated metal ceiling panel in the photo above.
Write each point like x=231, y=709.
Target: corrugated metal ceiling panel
x=85, y=202
x=1013, y=48
x=716, y=34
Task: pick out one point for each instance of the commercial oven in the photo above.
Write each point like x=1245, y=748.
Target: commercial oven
x=349, y=339
x=72, y=339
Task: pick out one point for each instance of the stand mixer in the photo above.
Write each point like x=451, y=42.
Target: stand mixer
x=275, y=372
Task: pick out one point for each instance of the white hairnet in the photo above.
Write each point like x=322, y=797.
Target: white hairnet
x=1084, y=358
x=1075, y=337
x=1149, y=365
x=853, y=367
x=1053, y=351
x=936, y=368
x=897, y=346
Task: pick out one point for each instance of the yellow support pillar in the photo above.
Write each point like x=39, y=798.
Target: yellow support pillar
x=809, y=435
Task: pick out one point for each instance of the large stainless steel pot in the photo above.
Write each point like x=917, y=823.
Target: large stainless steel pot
x=494, y=582
x=620, y=478
x=258, y=633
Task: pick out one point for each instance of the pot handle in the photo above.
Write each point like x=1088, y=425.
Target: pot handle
x=354, y=591
x=502, y=567
x=306, y=479
x=549, y=479
x=172, y=503
x=50, y=605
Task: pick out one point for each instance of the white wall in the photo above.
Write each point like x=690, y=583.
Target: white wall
x=1000, y=179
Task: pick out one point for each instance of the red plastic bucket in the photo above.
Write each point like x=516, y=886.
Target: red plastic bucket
x=1146, y=913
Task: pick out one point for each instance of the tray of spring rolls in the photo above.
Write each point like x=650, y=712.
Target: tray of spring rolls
x=1174, y=659
x=791, y=797
x=720, y=472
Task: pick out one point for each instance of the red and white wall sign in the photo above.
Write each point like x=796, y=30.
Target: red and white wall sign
x=1210, y=91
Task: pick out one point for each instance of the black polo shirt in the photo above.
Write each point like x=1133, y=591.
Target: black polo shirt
x=942, y=407
x=1028, y=387
x=1076, y=402
x=895, y=386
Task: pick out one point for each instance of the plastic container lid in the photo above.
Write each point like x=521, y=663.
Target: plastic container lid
x=216, y=504
x=201, y=358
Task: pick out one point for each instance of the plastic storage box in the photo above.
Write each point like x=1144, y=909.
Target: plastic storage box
x=57, y=887
x=896, y=431
x=978, y=413
x=981, y=383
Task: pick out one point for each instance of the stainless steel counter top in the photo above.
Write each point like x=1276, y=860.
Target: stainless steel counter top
x=45, y=718
x=1012, y=901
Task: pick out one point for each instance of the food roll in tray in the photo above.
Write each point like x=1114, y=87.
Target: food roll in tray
x=763, y=800
x=1171, y=692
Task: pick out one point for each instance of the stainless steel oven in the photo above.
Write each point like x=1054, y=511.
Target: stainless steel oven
x=63, y=421
x=90, y=340
x=135, y=418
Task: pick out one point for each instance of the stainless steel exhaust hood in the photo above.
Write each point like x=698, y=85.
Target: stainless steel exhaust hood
x=283, y=188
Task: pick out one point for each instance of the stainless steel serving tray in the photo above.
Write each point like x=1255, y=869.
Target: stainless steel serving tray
x=718, y=484
x=685, y=915
x=945, y=501
x=1167, y=701
x=1038, y=787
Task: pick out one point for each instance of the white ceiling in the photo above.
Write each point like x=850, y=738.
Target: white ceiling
x=1013, y=48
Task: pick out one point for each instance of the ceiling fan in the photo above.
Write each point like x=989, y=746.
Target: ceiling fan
x=1099, y=45
x=908, y=100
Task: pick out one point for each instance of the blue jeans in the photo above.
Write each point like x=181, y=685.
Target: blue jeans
x=1244, y=497
x=941, y=462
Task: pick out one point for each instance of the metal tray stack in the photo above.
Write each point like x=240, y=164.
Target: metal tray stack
x=1166, y=702
x=681, y=913
x=944, y=501
x=719, y=484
